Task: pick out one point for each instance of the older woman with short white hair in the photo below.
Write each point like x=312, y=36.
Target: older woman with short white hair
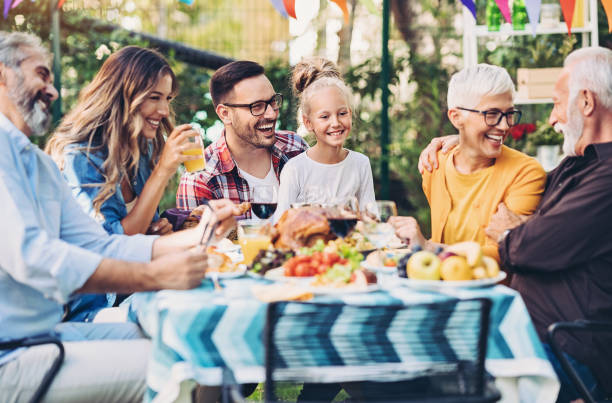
x=480, y=173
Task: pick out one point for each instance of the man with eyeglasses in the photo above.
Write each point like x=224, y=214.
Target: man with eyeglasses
x=250, y=151
x=481, y=172
x=561, y=256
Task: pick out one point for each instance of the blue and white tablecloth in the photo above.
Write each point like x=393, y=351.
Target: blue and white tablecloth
x=198, y=332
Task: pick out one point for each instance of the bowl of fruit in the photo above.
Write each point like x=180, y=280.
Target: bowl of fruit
x=460, y=265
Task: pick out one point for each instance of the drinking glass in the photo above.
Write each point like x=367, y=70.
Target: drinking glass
x=197, y=148
x=379, y=231
x=252, y=237
x=264, y=199
x=342, y=215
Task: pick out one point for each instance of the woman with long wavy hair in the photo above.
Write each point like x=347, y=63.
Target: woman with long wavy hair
x=111, y=146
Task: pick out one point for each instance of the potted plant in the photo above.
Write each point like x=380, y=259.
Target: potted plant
x=518, y=136
x=547, y=142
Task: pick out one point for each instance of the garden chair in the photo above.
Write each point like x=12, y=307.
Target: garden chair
x=443, y=343
x=46, y=338
x=575, y=326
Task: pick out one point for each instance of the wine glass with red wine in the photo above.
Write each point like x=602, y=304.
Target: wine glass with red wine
x=263, y=201
x=342, y=216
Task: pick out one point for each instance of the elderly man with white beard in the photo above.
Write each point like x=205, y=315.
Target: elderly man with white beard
x=561, y=256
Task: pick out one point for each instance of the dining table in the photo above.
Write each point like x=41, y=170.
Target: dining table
x=200, y=336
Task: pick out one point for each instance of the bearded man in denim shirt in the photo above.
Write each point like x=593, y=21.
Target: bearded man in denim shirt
x=50, y=249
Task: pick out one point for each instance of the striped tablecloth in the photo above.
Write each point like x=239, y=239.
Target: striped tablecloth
x=196, y=333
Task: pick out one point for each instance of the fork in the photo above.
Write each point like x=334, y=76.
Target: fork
x=214, y=276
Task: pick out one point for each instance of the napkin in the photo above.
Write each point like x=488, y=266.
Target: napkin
x=281, y=292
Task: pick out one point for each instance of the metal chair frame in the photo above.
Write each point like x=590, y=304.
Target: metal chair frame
x=484, y=392
x=47, y=338
x=577, y=326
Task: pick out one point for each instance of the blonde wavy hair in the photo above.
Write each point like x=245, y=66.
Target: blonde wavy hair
x=308, y=76
x=106, y=117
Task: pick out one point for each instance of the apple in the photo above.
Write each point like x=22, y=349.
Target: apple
x=424, y=265
x=446, y=254
x=470, y=250
x=455, y=268
x=479, y=273
x=491, y=265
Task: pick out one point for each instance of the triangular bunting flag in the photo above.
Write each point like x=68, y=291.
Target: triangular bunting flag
x=567, y=7
x=60, y=3
x=342, y=4
x=290, y=8
x=607, y=5
x=188, y=2
x=505, y=10
x=533, y=12
x=470, y=6
x=278, y=5
x=16, y=3
x=7, y=7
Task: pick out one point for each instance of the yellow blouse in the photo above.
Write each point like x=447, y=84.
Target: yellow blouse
x=462, y=205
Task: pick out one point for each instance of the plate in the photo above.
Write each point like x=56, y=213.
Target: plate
x=241, y=270
x=328, y=290
x=278, y=274
x=379, y=269
x=446, y=285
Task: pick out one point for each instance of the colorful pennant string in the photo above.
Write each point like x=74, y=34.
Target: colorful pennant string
x=505, y=10
x=533, y=13
x=344, y=8
x=470, y=5
x=567, y=8
x=607, y=5
x=278, y=5
x=290, y=8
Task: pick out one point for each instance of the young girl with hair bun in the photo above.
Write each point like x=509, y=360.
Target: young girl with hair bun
x=325, y=111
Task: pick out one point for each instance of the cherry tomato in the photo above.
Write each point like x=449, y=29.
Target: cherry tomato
x=322, y=268
x=302, y=270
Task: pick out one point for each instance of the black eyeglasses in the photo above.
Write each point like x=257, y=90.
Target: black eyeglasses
x=493, y=117
x=258, y=108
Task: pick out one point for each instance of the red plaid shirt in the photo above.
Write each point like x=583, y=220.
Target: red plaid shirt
x=221, y=180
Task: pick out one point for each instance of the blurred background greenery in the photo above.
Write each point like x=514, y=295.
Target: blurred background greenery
x=425, y=47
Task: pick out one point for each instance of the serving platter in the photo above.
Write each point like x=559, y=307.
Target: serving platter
x=278, y=274
x=379, y=269
x=343, y=290
x=439, y=285
x=239, y=272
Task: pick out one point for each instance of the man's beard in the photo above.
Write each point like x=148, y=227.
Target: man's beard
x=249, y=134
x=33, y=107
x=572, y=130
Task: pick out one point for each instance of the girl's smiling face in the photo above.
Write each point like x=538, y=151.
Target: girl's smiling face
x=329, y=116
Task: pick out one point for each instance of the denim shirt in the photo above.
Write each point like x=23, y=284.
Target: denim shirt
x=80, y=171
x=48, y=246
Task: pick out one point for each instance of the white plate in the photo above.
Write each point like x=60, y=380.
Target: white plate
x=278, y=274
x=379, y=269
x=349, y=289
x=241, y=270
x=445, y=285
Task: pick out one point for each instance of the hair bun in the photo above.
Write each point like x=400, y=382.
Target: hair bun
x=311, y=69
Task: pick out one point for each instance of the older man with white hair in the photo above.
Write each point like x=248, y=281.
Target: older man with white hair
x=561, y=256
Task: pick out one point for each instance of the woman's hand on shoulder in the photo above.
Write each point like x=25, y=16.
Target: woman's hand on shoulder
x=178, y=142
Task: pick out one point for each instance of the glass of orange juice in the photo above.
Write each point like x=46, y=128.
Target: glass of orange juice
x=252, y=237
x=198, y=164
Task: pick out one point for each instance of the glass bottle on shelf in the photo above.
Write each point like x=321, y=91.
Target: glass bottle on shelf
x=519, y=15
x=493, y=16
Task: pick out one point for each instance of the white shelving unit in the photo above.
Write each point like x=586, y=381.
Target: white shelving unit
x=472, y=32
